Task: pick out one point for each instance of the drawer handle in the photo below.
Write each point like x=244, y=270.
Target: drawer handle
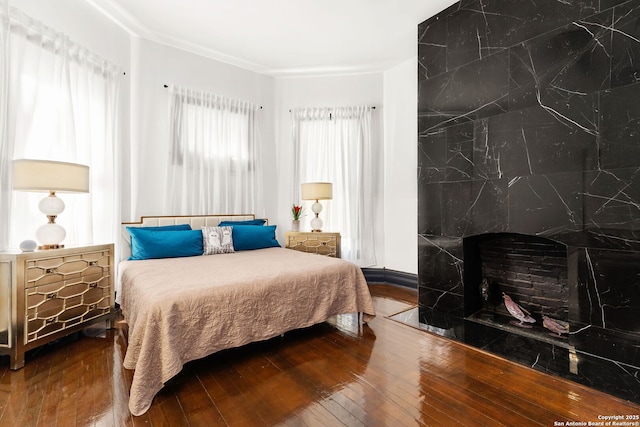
x=52, y=295
x=51, y=270
x=92, y=263
x=93, y=285
x=50, y=321
x=93, y=306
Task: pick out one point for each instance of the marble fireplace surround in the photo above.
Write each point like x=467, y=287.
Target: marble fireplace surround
x=529, y=123
x=603, y=348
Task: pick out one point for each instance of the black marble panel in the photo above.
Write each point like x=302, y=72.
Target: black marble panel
x=546, y=204
x=608, y=4
x=430, y=209
x=537, y=141
x=440, y=265
x=612, y=202
x=620, y=127
x=432, y=156
x=474, y=207
x=480, y=336
x=438, y=322
x=601, y=238
x=625, y=68
x=469, y=37
x=459, y=152
x=531, y=352
x=559, y=69
x=607, y=344
x=429, y=120
x=432, y=48
x=480, y=27
x=487, y=163
x=627, y=240
x=608, y=290
x=474, y=91
x=442, y=301
x=608, y=376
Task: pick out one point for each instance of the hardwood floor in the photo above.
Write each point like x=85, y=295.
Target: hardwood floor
x=389, y=374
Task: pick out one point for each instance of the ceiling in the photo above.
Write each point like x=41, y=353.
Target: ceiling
x=282, y=37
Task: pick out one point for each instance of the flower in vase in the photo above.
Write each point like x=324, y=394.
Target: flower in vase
x=296, y=211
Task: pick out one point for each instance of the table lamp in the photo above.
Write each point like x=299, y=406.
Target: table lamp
x=52, y=177
x=317, y=191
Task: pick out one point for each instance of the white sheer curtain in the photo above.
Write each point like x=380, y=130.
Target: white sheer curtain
x=6, y=151
x=334, y=145
x=62, y=105
x=215, y=160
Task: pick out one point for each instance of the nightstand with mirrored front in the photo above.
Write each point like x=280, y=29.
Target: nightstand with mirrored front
x=321, y=243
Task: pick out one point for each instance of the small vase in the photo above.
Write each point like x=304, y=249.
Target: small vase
x=295, y=225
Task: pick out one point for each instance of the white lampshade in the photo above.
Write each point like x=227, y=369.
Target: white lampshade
x=52, y=177
x=46, y=175
x=317, y=191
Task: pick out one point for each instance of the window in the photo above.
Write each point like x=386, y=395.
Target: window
x=215, y=154
x=334, y=145
x=62, y=106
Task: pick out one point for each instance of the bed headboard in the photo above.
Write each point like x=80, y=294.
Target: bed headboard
x=195, y=221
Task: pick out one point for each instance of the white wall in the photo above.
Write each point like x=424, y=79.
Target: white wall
x=326, y=91
x=149, y=66
x=152, y=66
x=400, y=171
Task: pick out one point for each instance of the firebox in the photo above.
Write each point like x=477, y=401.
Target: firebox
x=530, y=270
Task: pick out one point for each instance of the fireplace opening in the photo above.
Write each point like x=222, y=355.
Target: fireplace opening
x=531, y=271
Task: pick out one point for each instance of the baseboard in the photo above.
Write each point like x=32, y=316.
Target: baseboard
x=392, y=277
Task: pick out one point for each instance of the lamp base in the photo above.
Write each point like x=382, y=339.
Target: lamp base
x=316, y=224
x=50, y=235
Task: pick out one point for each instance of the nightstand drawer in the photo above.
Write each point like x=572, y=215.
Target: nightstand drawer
x=313, y=242
x=64, y=268
x=56, y=306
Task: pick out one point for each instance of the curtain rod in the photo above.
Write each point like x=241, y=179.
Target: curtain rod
x=166, y=86
x=373, y=107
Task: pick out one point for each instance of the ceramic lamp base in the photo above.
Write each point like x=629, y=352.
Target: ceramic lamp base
x=50, y=236
x=316, y=225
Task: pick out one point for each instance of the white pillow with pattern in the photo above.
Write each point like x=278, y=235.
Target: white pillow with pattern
x=217, y=240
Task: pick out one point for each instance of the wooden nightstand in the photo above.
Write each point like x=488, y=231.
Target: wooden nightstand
x=45, y=295
x=313, y=242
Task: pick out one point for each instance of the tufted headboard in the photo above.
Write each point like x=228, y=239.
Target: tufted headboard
x=196, y=221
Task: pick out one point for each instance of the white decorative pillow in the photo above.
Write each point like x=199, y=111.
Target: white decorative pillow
x=217, y=240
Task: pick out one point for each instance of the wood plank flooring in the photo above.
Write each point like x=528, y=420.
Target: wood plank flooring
x=388, y=374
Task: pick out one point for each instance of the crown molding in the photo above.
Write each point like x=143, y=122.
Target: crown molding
x=121, y=17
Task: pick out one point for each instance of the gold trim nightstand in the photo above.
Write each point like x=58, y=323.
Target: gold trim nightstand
x=45, y=295
x=321, y=243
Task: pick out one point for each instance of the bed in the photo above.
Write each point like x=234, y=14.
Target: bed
x=185, y=308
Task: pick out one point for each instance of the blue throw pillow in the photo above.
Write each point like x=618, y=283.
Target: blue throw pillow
x=150, y=244
x=247, y=237
x=164, y=227
x=246, y=222
x=173, y=227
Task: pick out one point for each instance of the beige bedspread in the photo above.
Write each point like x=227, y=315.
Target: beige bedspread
x=183, y=309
